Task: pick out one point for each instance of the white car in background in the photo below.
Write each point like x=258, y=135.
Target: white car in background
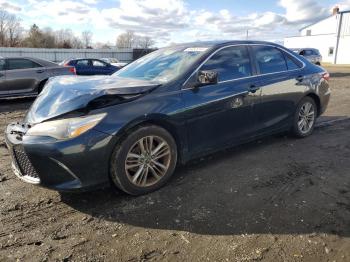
x=114, y=61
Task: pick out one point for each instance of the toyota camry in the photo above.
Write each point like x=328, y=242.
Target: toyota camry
x=132, y=128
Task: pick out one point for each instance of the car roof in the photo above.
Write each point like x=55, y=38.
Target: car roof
x=40, y=61
x=223, y=43
x=306, y=48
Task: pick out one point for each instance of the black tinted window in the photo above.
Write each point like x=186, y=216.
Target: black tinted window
x=230, y=63
x=269, y=59
x=21, y=64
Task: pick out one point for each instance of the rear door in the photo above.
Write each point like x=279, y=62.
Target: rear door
x=100, y=68
x=83, y=67
x=280, y=78
x=3, y=88
x=222, y=113
x=23, y=75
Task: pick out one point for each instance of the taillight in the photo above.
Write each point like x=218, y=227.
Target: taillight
x=72, y=70
x=326, y=76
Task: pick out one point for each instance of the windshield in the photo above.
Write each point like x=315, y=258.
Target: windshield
x=162, y=65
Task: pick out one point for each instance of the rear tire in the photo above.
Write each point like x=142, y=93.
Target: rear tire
x=304, y=118
x=144, y=161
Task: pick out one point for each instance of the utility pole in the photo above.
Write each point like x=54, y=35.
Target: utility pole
x=247, y=34
x=339, y=25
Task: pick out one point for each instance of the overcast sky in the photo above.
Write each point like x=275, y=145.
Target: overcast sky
x=174, y=21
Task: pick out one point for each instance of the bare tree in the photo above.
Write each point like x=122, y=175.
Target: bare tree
x=86, y=37
x=145, y=42
x=34, y=38
x=3, y=26
x=126, y=40
x=14, y=31
x=131, y=40
x=66, y=39
x=49, y=38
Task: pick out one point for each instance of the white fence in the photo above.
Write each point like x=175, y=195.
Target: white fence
x=57, y=55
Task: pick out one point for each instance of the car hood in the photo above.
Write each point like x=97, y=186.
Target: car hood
x=65, y=94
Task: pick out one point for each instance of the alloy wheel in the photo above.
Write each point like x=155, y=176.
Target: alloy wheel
x=306, y=117
x=147, y=161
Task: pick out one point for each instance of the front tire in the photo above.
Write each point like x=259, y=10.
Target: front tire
x=144, y=161
x=304, y=118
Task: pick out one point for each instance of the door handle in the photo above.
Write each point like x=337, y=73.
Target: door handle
x=40, y=71
x=253, y=88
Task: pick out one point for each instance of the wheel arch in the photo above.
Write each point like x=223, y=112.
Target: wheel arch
x=317, y=100
x=41, y=85
x=162, y=121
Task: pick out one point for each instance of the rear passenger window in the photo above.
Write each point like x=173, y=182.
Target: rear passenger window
x=269, y=59
x=230, y=63
x=15, y=63
x=291, y=64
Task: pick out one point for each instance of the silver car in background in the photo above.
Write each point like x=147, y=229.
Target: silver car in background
x=311, y=54
x=25, y=76
x=114, y=61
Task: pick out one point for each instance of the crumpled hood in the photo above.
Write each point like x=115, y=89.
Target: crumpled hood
x=68, y=93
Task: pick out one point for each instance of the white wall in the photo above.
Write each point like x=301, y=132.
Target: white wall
x=323, y=36
x=326, y=26
x=321, y=42
x=344, y=50
x=343, y=56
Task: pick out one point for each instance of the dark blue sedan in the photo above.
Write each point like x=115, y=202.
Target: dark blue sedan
x=178, y=103
x=88, y=67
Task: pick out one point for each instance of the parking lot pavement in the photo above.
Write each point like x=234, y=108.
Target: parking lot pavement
x=278, y=198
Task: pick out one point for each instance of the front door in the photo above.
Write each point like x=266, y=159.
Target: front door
x=23, y=75
x=100, y=68
x=83, y=67
x=222, y=114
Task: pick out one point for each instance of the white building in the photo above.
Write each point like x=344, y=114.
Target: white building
x=331, y=36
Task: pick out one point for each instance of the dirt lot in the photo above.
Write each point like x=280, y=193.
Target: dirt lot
x=277, y=199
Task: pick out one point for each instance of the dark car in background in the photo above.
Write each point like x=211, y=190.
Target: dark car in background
x=26, y=76
x=90, y=67
x=131, y=129
x=311, y=54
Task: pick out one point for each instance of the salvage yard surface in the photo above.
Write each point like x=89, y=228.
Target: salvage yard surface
x=276, y=199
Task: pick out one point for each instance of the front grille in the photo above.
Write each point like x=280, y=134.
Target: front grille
x=24, y=163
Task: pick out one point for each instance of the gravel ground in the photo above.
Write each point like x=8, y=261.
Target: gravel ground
x=277, y=199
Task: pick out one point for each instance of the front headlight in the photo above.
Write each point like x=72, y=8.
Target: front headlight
x=65, y=128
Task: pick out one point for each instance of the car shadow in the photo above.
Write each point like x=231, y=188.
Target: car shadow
x=248, y=189
x=339, y=74
x=18, y=104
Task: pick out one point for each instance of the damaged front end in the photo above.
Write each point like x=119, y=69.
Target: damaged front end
x=63, y=95
x=58, y=134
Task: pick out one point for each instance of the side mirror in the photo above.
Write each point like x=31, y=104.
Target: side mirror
x=207, y=78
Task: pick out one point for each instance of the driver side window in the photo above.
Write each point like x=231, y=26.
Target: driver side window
x=230, y=63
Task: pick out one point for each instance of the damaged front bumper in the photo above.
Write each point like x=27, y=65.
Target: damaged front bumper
x=75, y=164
